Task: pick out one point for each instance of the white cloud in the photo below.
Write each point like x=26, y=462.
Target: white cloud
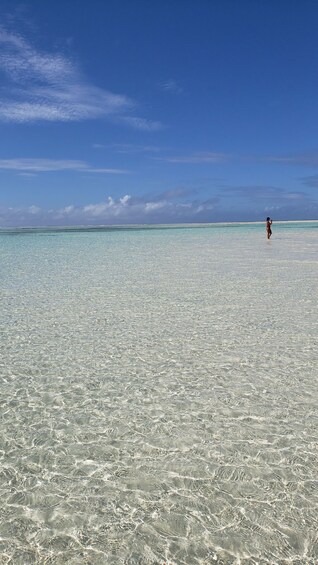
x=309, y=159
x=29, y=166
x=151, y=206
x=34, y=210
x=49, y=87
x=123, y=210
x=295, y=196
x=96, y=210
x=128, y=209
x=125, y=199
x=128, y=148
x=203, y=157
x=69, y=209
x=171, y=86
x=141, y=123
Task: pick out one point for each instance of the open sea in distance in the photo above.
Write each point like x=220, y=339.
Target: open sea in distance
x=158, y=394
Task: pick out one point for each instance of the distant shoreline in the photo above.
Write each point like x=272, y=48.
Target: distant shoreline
x=148, y=226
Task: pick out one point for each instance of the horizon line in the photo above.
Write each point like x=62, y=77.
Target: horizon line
x=152, y=226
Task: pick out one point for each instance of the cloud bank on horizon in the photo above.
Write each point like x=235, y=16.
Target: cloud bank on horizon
x=164, y=208
x=118, y=126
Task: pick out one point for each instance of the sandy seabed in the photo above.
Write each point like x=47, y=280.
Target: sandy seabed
x=159, y=397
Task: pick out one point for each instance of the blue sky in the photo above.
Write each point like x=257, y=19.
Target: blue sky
x=162, y=111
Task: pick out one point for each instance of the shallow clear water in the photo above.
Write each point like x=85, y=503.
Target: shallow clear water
x=159, y=396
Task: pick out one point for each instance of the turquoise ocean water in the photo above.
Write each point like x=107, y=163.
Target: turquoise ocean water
x=158, y=395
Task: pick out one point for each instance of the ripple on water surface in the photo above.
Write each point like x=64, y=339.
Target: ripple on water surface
x=158, y=397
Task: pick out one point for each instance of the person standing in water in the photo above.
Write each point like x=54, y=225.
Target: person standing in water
x=268, y=227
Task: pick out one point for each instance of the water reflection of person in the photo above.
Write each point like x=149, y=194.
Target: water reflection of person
x=268, y=227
